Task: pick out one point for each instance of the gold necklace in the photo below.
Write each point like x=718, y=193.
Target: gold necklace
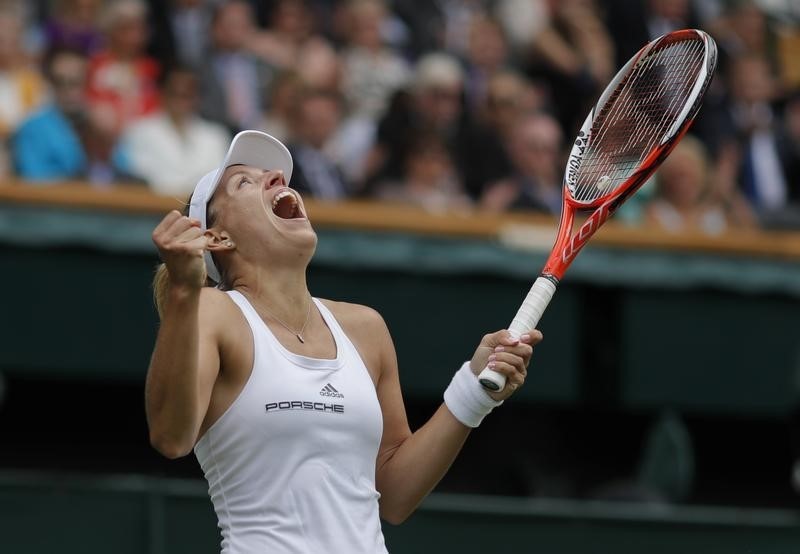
x=298, y=334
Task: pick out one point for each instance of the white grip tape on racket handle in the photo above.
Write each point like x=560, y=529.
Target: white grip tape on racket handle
x=527, y=318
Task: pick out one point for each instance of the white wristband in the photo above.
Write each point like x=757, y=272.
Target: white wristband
x=466, y=398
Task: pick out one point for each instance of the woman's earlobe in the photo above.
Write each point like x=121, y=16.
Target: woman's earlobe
x=217, y=241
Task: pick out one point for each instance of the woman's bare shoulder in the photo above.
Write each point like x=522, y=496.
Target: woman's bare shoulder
x=214, y=297
x=217, y=308
x=354, y=316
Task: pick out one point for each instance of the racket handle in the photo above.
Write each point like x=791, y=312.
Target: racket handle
x=526, y=319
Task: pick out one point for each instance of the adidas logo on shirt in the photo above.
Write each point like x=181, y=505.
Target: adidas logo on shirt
x=328, y=390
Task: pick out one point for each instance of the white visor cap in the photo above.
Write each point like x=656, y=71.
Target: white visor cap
x=251, y=148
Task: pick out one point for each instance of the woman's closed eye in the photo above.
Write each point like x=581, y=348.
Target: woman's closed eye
x=243, y=180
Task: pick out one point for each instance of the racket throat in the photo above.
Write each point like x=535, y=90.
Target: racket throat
x=550, y=277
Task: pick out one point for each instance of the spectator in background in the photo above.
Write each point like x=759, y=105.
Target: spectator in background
x=574, y=54
x=173, y=148
x=122, y=81
x=28, y=14
x=291, y=41
x=509, y=96
x=665, y=16
x=180, y=30
x=435, y=101
x=690, y=197
x=438, y=89
x=436, y=25
x=62, y=141
x=521, y=20
x=487, y=54
x=456, y=24
x=753, y=119
x=429, y=179
x=316, y=119
x=286, y=87
x=535, y=146
x=22, y=88
x=233, y=80
x=75, y=25
x=48, y=145
x=743, y=29
x=789, y=147
x=290, y=25
x=371, y=73
x=632, y=24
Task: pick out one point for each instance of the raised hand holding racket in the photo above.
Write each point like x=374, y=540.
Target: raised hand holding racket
x=639, y=118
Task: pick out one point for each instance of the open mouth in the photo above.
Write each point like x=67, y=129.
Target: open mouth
x=286, y=206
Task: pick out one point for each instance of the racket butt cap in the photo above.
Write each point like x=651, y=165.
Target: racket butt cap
x=491, y=380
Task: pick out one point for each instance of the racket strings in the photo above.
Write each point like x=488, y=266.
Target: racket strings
x=643, y=106
x=643, y=101
x=637, y=116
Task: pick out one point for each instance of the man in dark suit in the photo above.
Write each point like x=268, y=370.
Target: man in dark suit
x=316, y=119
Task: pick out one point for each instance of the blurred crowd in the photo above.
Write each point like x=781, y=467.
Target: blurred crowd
x=447, y=104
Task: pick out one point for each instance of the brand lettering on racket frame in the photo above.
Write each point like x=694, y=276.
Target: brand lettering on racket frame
x=585, y=231
x=575, y=157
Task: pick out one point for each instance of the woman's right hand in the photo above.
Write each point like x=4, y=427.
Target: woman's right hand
x=181, y=243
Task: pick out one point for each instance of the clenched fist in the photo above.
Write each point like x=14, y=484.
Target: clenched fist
x=181, y=243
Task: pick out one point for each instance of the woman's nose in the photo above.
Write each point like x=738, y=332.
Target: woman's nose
x=274, y=179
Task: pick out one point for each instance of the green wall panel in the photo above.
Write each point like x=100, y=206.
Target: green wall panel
x=53, y=519
x=76, y=311
x=710, y=351
x=45, y=513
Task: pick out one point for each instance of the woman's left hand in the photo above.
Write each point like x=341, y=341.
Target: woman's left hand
x=508, y=356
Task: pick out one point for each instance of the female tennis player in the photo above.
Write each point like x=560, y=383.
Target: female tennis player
x=292, y=404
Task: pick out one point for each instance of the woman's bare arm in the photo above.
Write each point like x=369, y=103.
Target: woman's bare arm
x=409, y=465
x=185, y=361
x=183, y=370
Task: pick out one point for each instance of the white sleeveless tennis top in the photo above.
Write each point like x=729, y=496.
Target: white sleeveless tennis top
x=291, y=464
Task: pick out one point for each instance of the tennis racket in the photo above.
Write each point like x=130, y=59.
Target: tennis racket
x=638, y=120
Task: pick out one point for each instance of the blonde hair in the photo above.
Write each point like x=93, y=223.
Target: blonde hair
x=694, y=149
x=437, y=69
x=160, y=287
